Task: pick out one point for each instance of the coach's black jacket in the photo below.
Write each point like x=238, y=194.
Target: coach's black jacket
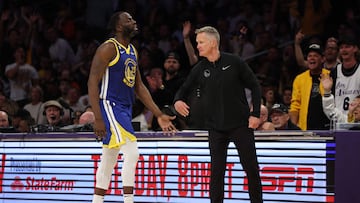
x=222, y=88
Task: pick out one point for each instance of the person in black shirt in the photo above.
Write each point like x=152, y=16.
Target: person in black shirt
x=222, y=79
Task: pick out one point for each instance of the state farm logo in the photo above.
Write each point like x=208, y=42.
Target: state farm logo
x=36, y=184
x=17, y=184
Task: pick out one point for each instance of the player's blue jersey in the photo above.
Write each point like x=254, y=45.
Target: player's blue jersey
x=118, y=81
x=117, y=95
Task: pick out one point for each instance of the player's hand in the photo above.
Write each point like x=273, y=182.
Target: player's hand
x=254, y=122
x=166, y=125
x=99, y=129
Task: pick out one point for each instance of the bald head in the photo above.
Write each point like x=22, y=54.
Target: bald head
x=87, y=117
x=4, y=119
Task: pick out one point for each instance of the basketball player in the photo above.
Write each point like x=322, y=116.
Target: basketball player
x=113, y=80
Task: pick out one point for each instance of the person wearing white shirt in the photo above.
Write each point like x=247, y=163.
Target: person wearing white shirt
x=21, y=77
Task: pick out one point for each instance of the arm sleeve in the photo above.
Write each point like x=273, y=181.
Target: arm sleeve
x=296, y=96
x=329, y=108
x=189, y=83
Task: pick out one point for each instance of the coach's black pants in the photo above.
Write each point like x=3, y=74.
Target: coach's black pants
x=244, y=140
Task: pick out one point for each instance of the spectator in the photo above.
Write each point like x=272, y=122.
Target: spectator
x=331, y=52
x=8, y=105
x=270, y=97
x=73, y=97
x=53, y=112
x=64, y=88
x=169, y=83
x=173, y=78
x=6, y=123
x=75, y=118
x=22, y=121
x=330, y=110
x=35, y=106
x=286, y=96
x=4, y=119
x=241, y=42
x=154, y=79
x=356, y=114
x=86, y=122
x=9, y=43
x=22, y=76
x=87, y=117
x=21, y=114
x=306, y=105
x=280, y=118
x=265, y=125
x=60, y=50
x=24, y=126
x=346, y=76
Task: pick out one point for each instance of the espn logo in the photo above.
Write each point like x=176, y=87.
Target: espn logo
x=277, y=178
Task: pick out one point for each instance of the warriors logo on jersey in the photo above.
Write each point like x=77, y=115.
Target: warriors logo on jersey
x=122, y=69
x=130, y=72
x=117, y=95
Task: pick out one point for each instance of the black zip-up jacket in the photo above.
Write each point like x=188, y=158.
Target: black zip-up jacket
x=222, y=88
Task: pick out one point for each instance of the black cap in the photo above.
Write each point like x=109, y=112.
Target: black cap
x=315, y=47
x=173, y=55
x=279, y=108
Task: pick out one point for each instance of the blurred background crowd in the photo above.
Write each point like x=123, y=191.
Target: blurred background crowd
x=46, y=48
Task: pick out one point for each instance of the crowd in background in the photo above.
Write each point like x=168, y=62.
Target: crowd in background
x=46, y=47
